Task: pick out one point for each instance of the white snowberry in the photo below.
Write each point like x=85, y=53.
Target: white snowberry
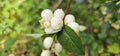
x=46, y=14
x=48, y=42
x=82, y=28
x=74, y=26
x=47, y=24
x=59, y=13
x=58, y=47
x=45, y=53
x=56, y=23
x=69, y=18
x=50, y=30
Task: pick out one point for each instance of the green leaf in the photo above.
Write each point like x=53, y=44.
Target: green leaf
x=94, y=49
x=2, y=53
x=86, y=38
x=9, y=42
x=114, y=48
x=63, y=53
x=70, y=40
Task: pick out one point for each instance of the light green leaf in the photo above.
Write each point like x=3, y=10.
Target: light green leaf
x=63, y=53
x=2, y=53
x=9, y=42
x=35, y=35
x=114, y=48
x=70, y=40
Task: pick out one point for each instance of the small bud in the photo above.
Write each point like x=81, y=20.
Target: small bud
x=59, y=13
x=74, y=26
x=56, y=23
x=58, y=47
x=46, y=14
x=46, y=24
x=69, y=18
x=48, y=42
x=82, y=28
x=45, y=53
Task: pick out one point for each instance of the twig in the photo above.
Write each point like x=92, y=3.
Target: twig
x=54, y=36
x=68, y=6
x=56, y=5
x=86, y=51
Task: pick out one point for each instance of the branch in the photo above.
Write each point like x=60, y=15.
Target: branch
x=56, y=5
x=86, y=51
x=68, y=6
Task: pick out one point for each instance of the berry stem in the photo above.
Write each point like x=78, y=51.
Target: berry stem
x=54, y=36
x=66, y=11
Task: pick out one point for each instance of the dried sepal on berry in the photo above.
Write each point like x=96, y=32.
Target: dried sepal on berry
x=47, y=24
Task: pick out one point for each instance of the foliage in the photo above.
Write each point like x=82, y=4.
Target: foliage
x=19, y=18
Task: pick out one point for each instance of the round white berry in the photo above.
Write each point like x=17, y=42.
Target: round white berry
x=49, y=30
x=74, y=26
x=46, y=24
x=45, y=53
x=48, y=42
x=56, y=23
x=69, y=18
x=82, y=28
x=58, y=47
x=59, y=13
x=46, y=14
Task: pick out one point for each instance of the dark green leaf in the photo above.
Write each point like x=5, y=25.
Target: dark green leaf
x=85, y=38
x=70, y=40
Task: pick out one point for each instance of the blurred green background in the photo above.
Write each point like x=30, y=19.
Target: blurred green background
x=21, y=17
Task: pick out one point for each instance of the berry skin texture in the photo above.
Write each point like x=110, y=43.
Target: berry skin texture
x=47, y=24
x=59, y=13
x=48, y=42
x=58, y=47
x=74, y=26
x=45, y=53
x=69, y=18
x=46, y=14
x=56, y=23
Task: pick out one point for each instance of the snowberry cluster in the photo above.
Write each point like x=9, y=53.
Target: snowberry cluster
x=53, y=22
x=51, y=47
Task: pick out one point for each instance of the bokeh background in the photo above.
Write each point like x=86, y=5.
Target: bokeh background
x=21, y=17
